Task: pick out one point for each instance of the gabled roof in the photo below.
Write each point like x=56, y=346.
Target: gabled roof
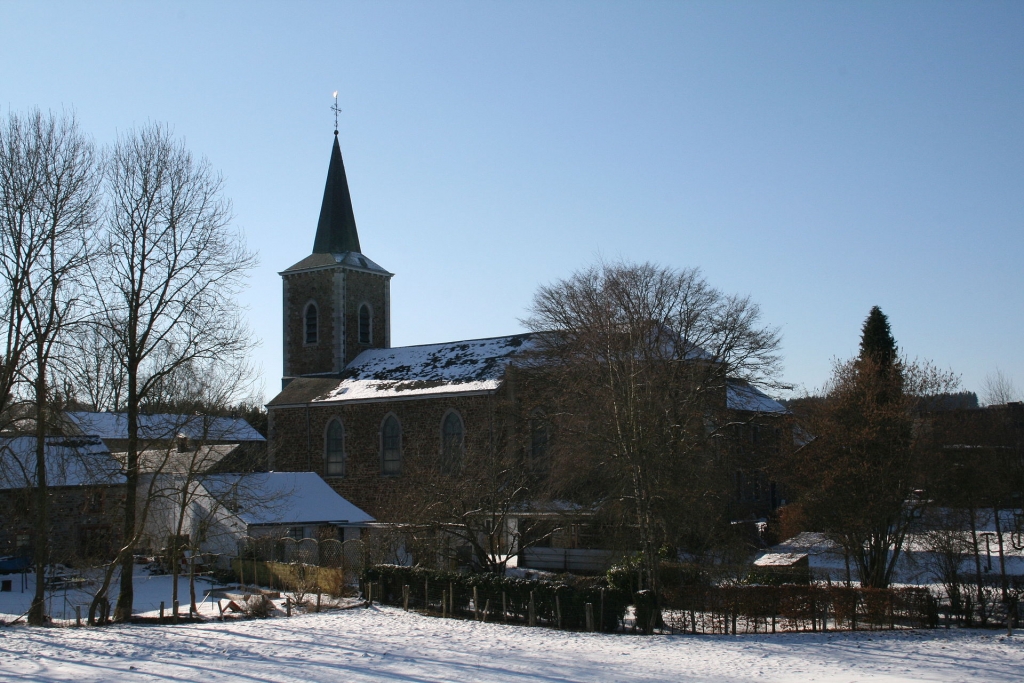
x=70, y=461
x=336, y=231
x=740, y=395
x=200, y=428
x=285, y=498
x=470, y=366
x=170, y=460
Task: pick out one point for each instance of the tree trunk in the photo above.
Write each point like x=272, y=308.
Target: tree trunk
x=37, y=611
x=1002, y=558
x=126, y=596
x=977, y=565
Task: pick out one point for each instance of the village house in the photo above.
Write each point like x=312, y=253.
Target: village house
x=86, y=492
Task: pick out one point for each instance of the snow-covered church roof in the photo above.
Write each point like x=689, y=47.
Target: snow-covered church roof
x=471, y=366
x=462, y=367
x=740, y=395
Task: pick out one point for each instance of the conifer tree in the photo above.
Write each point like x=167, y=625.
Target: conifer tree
x=876, y=341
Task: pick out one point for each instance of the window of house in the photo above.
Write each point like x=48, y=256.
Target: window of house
x=365, y=324
x=391, y=446
x=452, y=442
x=311, y=324
x=334, y=451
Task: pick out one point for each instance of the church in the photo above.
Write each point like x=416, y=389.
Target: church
x=367, y=416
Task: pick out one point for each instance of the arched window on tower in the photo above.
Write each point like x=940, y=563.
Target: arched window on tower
x=452, y=444
x=391, y=446
x=365, y=324
x=334, y=449
x=311, y=323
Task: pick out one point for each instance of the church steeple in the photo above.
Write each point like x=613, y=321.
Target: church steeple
x=336, y=231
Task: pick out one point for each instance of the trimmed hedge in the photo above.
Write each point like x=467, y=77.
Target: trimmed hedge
x=426, y=586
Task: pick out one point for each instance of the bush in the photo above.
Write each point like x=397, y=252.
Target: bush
x=257, y=606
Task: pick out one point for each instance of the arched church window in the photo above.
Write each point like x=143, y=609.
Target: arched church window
x=311, y=323
x=452, y=443
x=365, y=324
x=391, y=446
x=334, y=449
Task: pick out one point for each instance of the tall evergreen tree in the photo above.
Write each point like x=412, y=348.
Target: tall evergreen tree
x=876, y=340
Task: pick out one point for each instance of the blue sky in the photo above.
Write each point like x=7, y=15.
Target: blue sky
x=820, y=157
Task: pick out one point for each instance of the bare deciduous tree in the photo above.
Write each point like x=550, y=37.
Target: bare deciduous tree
x=166, y=281
x=638, y=357
x=48, y=201
x=998, y=389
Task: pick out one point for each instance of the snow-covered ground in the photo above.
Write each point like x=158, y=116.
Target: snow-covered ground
x=150, y=591
x=387, y=644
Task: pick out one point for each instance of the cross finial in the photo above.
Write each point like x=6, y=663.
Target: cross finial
x=335, y=110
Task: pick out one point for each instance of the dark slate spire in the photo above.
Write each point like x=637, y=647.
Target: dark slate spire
x=336, y=231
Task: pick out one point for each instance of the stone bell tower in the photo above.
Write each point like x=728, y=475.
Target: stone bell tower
x=336, y=302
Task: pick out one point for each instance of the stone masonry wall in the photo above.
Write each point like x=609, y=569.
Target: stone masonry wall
x=77, y=514
x=299, y=289
x=363, y=287
x=363, y=483
x=337, y=324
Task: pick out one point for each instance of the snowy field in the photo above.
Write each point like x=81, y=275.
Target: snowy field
x=387, y=644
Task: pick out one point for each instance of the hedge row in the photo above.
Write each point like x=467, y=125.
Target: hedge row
x=557, y=604
x=806, y=607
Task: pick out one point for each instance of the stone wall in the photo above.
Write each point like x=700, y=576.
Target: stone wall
x=297, y=437
x=338, y=293
x=85, y=522
x=367, y=288
x=298, y=290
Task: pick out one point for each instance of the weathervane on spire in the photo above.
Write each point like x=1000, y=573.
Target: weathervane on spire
x=335, y=110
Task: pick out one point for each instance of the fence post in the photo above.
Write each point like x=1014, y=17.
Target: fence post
x=161, y=611
x=318, y=600
x=78, y=617
x=288, y=606
x=558, y=610
x=487, y=609
x=451, y=598
x=444, y=604
x=504, y=607
x=476, y=604
x=174, y=607
x=426, y=594
x=533, y=612
x=601, y=623
x=588, y=609
x=405, y=597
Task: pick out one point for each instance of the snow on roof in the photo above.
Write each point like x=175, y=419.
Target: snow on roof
x=474, y=365
x=779, y=559
x=166, y=426
x=70, y=461
x=741, y=396
x=286, y=498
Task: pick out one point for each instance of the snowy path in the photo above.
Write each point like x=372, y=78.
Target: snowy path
x=385, y=644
